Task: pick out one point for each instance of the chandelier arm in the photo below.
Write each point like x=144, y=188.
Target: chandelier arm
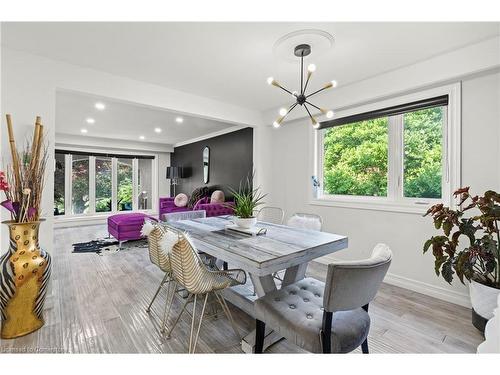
x=315, y=106
x=290, y=109
x=317, y=91
x=309, y=113
x=284, y=89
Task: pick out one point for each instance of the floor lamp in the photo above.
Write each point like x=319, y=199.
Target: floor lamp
x=174, y=174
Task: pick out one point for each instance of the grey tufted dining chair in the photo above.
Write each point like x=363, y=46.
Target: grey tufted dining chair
x=329, y=317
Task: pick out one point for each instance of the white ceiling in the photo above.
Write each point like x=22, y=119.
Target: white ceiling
x=127, y=121
x=231, y=61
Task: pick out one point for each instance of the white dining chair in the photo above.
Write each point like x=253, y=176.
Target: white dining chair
x=269, y=214
x=305, y=221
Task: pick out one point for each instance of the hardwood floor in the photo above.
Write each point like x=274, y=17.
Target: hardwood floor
x=97, y=305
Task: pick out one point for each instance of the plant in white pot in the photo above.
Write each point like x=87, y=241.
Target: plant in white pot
x=246, y=200
x=477, y=260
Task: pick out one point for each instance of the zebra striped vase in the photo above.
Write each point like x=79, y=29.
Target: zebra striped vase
x=24, y=276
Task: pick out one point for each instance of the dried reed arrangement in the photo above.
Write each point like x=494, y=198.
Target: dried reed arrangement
x=25, y=175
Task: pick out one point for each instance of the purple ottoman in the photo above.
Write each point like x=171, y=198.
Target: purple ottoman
x=125, y=227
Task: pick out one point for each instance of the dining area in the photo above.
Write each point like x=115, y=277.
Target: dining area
x=211, y=267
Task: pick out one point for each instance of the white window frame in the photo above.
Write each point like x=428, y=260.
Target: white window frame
x=394, y=201
x=68, y=160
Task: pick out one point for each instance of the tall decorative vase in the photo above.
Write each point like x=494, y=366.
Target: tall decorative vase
x=24, y=277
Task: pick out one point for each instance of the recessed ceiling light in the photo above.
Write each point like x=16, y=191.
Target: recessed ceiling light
x=179, y=120
x=90, y=120
x=84, y=131
x=157, y=130
x=100, y=106
x=142, y=138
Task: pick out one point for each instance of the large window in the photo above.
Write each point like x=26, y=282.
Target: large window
x=59, y=185
x=355, y=158
x=423, y=153
x=80, y=184
x=402, y=155
x=103, y=184
x=145, y=193
x=125, y=184
x=100, y=183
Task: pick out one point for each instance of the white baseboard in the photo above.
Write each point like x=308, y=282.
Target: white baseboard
x=444, y=294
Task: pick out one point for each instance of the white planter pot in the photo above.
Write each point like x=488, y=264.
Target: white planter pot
x=483, y=299
x=245, y=223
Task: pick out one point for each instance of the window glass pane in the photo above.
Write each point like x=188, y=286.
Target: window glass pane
x=145, y=183
x=80, y=184
x=59, y=185
x=355, y=158
x=423, y=137
x=124, y=193
x=103, y=184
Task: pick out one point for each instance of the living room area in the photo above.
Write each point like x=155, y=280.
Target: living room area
x=250, y=187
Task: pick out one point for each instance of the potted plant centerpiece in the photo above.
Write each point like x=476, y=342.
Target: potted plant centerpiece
x=24, y=266
x=246, y=200
x=477, y=258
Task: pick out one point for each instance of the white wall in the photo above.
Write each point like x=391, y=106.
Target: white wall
x=404, y=233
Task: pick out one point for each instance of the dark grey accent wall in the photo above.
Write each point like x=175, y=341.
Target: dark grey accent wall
x=231, y=160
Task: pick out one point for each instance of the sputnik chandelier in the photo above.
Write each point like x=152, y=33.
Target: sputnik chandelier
x=302, y=98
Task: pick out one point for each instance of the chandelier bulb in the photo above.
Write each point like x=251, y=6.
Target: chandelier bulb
x=311, y=68
x=270, y=80
x=329, y=114
x=334, y=83
x=316, y=125
x=283, y=111
x=276, y=124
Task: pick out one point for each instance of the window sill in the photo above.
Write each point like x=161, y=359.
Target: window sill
x=409, y=208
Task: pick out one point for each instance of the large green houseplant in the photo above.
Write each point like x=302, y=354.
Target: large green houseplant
x=476, y=258
x=246, y=200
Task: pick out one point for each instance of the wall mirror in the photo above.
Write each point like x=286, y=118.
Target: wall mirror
x=206, y=164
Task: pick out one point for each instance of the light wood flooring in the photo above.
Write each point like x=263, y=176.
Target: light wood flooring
x=97, y=305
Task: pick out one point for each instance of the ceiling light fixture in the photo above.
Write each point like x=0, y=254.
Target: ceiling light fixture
x=157, y=130
x=179, y=120
x=90, y=120
x=84, y=131
x=301, y=98
x=100, y=106
x=142, y=138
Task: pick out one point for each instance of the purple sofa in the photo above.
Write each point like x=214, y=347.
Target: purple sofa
x=167, y=205
x=127, y=226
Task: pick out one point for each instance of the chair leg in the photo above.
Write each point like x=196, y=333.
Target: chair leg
x=192, y=324
x=172, y=286
x=178, y=316
x=364, y=347
x=226, y=310
x=199, y=325
x=260, y=332
x=163, y=281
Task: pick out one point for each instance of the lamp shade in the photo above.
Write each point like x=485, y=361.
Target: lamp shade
x=175, y=172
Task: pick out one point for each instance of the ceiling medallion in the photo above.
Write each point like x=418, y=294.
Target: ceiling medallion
x=302, y=98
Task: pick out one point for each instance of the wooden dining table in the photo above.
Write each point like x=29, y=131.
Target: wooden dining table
x=280, y=248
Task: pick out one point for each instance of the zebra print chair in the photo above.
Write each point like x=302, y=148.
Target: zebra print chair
x=159, y=257
x=189, y=271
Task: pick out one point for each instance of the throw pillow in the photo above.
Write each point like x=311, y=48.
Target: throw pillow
x=197, y=194
x=181, y=200
x=217, y=197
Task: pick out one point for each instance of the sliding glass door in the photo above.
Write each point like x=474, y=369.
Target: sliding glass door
x=88, y=184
